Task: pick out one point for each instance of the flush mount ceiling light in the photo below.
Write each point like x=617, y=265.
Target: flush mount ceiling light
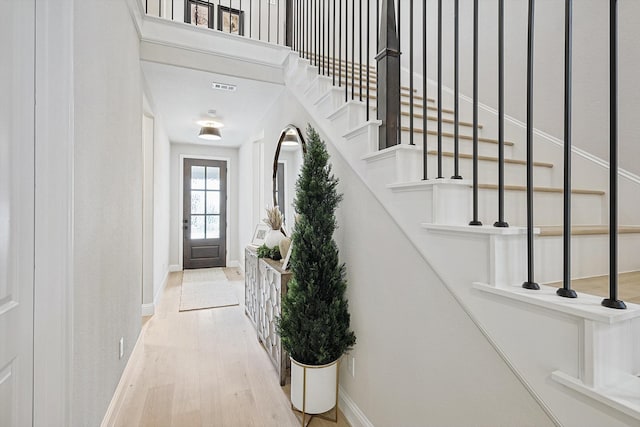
x=290, y=138
x=210, y=133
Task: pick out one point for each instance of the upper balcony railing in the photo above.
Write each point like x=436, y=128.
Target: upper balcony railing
x=256, y=19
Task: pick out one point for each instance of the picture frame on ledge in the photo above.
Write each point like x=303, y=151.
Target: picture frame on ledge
x=259, y=235
x=230, y=20
x=285, y=262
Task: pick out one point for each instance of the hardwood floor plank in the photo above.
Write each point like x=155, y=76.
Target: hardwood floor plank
x=205, y=368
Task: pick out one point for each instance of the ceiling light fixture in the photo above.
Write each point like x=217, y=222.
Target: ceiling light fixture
x=290, y=139
x=210, y=133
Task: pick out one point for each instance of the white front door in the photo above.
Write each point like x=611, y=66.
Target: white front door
x=17, y=62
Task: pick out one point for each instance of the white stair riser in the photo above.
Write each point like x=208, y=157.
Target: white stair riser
x=465, y=145
x=587, y=209
x=589, y=256
x=515, y=174
x=409, y=168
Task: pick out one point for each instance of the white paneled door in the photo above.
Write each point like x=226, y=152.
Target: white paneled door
x=17, y=53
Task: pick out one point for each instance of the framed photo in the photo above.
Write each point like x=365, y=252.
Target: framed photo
x=199, y=13
x=285, y=263
x=230, y=20
x=259, y=234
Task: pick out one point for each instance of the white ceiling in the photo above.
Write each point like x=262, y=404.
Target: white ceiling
x=182, y=96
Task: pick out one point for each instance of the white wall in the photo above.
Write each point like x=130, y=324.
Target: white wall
x=590, y=66
x=234, y=253
x=107, y=255
x=418, y=355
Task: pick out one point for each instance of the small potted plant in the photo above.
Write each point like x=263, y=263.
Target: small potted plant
x=274, y=221
x=314, y=322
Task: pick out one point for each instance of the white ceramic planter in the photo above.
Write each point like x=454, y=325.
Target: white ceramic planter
x=321, y=384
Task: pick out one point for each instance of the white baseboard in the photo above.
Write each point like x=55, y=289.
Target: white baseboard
x=148, y=309
x=351, y=412
x=234, y=263
x=175, y=267
x=119, y=394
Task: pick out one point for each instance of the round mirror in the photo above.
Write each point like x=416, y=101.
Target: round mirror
x=286, y=167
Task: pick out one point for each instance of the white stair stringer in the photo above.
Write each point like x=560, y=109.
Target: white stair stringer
x=547, y=341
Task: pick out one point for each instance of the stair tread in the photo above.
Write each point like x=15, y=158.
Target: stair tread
x=372, y=67
x=628, y=286
x=542, y=189
x=586, y=230
x=406, y=95
x=491, y=158
x=450, y=135
x=444, y=119
x=405, y=88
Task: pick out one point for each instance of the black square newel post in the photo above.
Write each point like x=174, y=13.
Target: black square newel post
x=388, y=83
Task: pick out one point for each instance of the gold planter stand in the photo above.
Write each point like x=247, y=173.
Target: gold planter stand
x=303, y=419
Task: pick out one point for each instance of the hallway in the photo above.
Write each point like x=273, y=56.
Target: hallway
x=204, y=368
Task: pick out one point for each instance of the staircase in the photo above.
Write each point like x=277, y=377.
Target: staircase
x=590, y=350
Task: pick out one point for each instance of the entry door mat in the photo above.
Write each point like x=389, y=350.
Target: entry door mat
x=206, y=288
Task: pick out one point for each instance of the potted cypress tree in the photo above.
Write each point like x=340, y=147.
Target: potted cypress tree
x=314, y=322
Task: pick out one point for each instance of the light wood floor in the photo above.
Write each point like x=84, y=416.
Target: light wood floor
x=628, y=286
x=205, y=368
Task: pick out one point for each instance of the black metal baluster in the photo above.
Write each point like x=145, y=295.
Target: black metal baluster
x=566, y=290
x=346, y=50
x=411, y=73
x=259, y=19
x=500, y=222
x=424, y=90
x=456, y=90
x=530, y=283
x=321, y=35
x=475, y=220
x=308, y=31
x=399, y=118
x=172, y=6
x=368, y=55
x=353, y=48
x=159, y=8
x=328, y=38
x=317, y=34
x=439, y=90
x=360, y=46
x=146, y=6
x=334, y=44
x=340, y=43
x=319, y=58
x=613, y=301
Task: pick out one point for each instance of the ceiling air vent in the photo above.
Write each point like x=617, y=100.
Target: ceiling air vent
x=223, y=86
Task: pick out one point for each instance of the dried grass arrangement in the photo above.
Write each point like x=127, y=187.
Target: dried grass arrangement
x=274, y=218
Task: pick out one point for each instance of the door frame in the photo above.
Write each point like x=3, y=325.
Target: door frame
x=181, y=195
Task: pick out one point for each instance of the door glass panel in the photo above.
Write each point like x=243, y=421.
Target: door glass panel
x=197, y=177
x=213, y=202
x=213, y=226
x=213, y=178
x=197, y=226
x=197, y=202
